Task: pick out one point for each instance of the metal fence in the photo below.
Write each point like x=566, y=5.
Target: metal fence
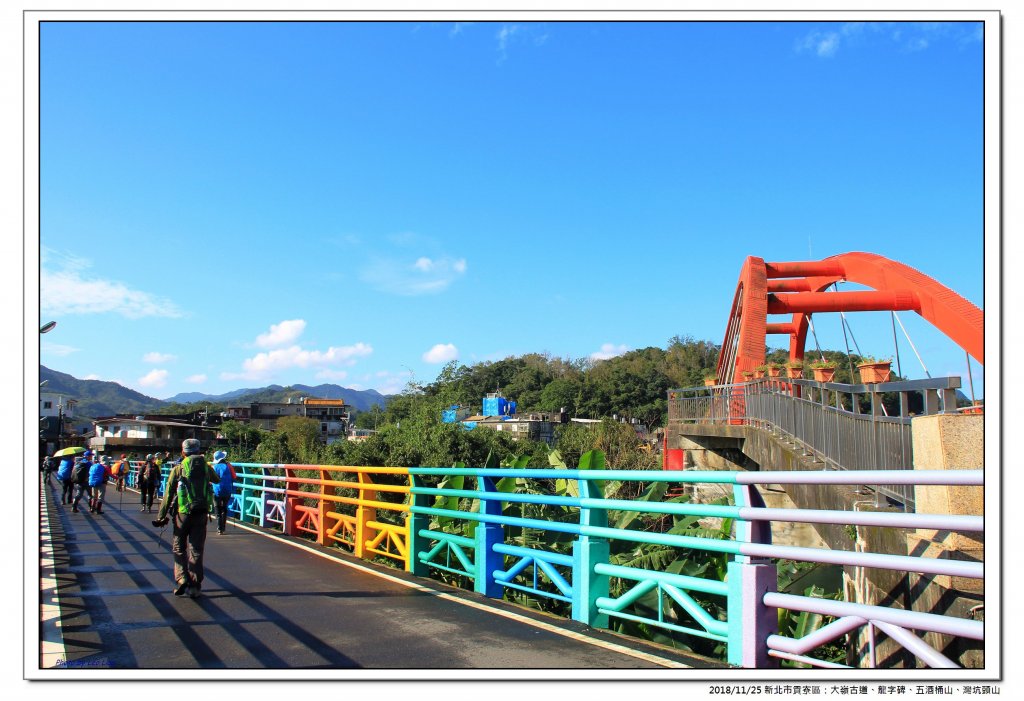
x=471, y=523
x=825, y=420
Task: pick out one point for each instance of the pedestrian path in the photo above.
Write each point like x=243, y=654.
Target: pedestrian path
x=273, y=602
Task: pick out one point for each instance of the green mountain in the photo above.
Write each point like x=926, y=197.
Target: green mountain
x=98, y=398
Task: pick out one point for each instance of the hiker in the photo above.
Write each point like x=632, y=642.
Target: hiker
x=188, y=497
x=64, y=477
x=223, y=490
x=120, y=471
x=80, y=478
x=149, y=480
x=47, y=469
x=99, y=475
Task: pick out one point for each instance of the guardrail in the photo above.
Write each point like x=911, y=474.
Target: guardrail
x=430, y=522
x=814, y=415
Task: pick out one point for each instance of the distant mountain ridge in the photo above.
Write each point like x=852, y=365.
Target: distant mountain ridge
x=362, y=400
x=98, y=398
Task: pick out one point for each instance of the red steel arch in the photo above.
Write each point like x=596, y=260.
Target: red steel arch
x=798, y=289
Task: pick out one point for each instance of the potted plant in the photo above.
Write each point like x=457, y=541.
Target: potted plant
x=747, y=375
x=760, y=371
x=710, y=378
x=824, y=369
x=773, y=369
x=794, y=369
x=873, y=371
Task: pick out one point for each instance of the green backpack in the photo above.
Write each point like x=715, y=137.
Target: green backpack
x=195, y=493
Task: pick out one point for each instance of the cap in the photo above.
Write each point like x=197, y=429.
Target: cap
x=105, y=459
x=191, y=446
x=149, y=456
x=87, y=454
x=219, y=455
x=123, y=456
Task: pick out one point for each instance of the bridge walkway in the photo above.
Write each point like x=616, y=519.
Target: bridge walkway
x=274, y=602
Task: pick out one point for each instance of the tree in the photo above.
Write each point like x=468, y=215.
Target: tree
x=242, y=439
x=302, y=436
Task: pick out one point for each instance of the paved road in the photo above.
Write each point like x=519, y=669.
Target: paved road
x=274, y=602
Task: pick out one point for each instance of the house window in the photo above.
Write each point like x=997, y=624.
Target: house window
x=323, y=428
x=47, y=405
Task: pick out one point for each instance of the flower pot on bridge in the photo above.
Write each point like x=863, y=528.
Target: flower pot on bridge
x=875, y=372
x=710, y=382
x=794, y=372
x=823, y=374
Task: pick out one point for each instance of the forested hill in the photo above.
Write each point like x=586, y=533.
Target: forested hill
x=633, y=385
x=98, y=397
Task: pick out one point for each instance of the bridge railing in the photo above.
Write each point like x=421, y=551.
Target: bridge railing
x=750, y=600
x=481, y=526
x=815, y=416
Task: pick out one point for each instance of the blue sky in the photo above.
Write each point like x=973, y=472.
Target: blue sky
x=230, y=205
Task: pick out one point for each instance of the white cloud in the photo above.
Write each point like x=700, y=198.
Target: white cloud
x=422, y=276
x=155, y=378
x=608, y=350
x=504, y=35
x=458, y=27
x=91, y=376
x=441, y=353
x=64, y=290
x=158, y=357
x=281, y=334
x=909, y=36
x=196, y=379
x=57, y=349
x=262, y=365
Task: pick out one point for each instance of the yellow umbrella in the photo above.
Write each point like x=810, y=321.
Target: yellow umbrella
x=74, y=450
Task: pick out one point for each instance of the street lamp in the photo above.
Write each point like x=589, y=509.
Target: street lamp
x=47, y=327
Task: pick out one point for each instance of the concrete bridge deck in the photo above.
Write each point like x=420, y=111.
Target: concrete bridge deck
x=274, y=602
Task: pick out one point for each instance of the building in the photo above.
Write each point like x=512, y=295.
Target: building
x=139, y=435
x=56, y=419
x=332, y=414
x=499, y=414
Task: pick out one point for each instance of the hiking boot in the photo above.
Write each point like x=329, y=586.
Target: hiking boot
x=74, y=509
x=194, y=592
x=181, y=589
x=142, y=510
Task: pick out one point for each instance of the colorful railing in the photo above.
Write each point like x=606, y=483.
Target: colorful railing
x=469, y=533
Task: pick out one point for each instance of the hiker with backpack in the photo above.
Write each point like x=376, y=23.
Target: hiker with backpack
x=67, y=486
x=120, y=471
x=80, y=478
x=223, y=490
x=188, y=498
x=99, y=475
x=149, y=480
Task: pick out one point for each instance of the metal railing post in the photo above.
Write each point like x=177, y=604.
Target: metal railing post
x=418, y=522
x=749, y=579
x=324, y=508
x=364, y=514
x=488, y=535
x=587, y=552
